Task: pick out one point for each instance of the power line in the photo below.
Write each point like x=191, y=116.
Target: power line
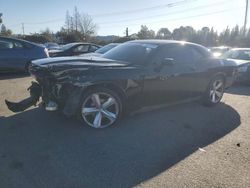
x=182, y=18
x=44, y=22
x=142, y=18
x=168, y=5
x=170, y=13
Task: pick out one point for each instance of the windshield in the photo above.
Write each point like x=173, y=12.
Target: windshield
x=238, y=54
x=67, y=46
x=106, y=48
x=136, y=53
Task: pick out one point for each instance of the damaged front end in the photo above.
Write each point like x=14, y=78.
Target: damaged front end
x=60, y=82
x=55, y=90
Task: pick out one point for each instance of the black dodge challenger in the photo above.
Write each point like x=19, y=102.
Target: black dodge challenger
x=130, y=76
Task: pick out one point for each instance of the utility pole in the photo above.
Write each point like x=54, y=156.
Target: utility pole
x=76, y=22
x=1, y=14
x=245, y=22
x=23, y=28
x=76, y=17
x=127, y=32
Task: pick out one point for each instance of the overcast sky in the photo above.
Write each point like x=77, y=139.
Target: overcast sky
x=113, y=16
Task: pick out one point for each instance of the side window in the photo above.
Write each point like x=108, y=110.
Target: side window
x=195, y=55
x=177, y=53
x=93, y=48
x=181, y=54
x=5, y=44
x=18, y=44
x=82, y=48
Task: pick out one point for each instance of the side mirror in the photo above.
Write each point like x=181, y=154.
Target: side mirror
x=168, y=61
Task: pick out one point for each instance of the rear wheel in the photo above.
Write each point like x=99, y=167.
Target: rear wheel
x=214, y=92
x=100, y=108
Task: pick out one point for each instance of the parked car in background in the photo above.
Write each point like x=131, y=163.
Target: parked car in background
x=16, y=54
x=241, y=56
x=130, y=76
x=73, y=49
x=219, y=51
x=102, y=50
x=51, y=46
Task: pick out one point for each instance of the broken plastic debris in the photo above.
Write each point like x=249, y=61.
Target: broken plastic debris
x=201, y=149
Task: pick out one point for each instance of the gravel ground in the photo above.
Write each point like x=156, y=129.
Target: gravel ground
x=186, y=145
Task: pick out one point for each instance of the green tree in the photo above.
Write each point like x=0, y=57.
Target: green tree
x=184, y=33
x=4, y=31
x=224, y=38
x=164, y=33
x=145, y=33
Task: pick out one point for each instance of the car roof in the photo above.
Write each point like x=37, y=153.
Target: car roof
x=25, y=41
x=240, y=49
x=219, y=47
x=163, y=42
x=75, y=43
x=11, y=38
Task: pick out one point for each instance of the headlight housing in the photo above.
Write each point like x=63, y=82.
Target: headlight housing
x=243, y=68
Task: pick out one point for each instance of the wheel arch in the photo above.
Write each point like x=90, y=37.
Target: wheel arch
x=221, y=74
x=114, y=87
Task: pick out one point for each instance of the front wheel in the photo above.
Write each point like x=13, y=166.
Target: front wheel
x=100, y=108
x=214, y=92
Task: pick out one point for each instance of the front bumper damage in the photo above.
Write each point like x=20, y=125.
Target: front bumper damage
x=68, y=104
x=35, y=93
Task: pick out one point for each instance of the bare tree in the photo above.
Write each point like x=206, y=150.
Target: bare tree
x=67, y=21
x=81, y=25
x=86, y=25
x=76, y=19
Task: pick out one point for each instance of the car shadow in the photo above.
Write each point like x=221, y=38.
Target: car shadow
x=13, y=75
x=239, y=90
x=42, y=149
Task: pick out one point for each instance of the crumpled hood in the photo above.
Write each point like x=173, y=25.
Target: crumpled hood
x=77, y=61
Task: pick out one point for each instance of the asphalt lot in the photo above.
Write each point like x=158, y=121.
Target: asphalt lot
x=153, y=149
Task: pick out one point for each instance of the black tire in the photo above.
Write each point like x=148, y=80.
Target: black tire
x=208, y=96
x=102, y=92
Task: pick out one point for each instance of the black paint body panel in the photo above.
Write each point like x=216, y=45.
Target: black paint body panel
x=138, y=85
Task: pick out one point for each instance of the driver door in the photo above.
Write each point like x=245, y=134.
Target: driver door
x=170, y=82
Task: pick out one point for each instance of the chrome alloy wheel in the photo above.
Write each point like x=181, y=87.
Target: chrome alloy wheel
x=100, y=110
x=216, y=91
